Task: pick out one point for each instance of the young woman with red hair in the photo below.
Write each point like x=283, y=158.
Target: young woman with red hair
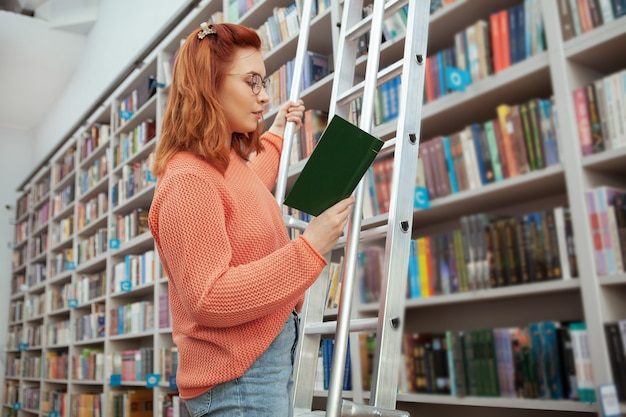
x=236, y=280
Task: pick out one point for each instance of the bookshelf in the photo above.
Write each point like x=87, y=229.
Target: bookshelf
x=80, y=248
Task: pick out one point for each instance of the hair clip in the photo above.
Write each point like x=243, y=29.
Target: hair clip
x=206, y=30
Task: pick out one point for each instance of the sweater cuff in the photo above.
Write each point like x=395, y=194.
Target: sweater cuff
x=313, y=250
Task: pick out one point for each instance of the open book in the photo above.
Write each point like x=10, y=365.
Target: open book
x=334, y=169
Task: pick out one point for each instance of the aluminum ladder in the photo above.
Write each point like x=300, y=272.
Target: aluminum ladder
x=389, y=323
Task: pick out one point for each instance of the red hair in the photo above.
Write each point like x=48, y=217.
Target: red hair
x=194, y=120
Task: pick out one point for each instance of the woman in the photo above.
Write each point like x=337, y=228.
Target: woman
x=235, y=277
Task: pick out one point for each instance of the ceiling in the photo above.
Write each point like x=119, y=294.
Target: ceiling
x=41, y=43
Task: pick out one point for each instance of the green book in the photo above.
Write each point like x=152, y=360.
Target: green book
x=334, y=169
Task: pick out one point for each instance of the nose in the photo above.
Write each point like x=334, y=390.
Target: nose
x=263, y=96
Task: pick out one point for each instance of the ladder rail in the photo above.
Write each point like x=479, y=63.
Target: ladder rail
x=400, y=220
x=294, y=95
x=345, y=309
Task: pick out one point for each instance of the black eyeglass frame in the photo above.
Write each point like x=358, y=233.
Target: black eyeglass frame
x=256, y=82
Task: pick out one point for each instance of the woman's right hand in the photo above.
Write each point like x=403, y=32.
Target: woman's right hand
x=324, y=231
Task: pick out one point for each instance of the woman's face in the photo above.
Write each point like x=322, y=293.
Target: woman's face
x=243, y=108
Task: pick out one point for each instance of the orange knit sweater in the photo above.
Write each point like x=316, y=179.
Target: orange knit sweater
x=234, y=275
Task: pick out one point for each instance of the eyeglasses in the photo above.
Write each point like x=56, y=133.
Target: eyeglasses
x=256, y=82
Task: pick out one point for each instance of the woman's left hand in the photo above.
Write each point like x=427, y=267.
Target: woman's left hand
x=289, y=112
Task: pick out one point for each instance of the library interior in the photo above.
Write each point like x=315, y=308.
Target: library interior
x=483, y=268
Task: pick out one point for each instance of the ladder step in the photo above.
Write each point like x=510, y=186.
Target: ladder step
x=299, y=413
x=350, y=409
x=383, y=76
x=294, y=223
x=330, y=327
x=361, y=28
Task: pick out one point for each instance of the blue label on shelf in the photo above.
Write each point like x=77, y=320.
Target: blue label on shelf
x=114, y=243
x=116, y=380
x=152, y=380
x=22, y=346
x=53, y=414
x=17, y=406
x=421, y=200
x=126, y=286
x=457, y=79
x=150, y=177
x=70, y=265
x=72, y=303
x=125, y=114
x=173, y=382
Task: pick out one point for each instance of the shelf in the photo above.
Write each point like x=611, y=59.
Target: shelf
x=595, y=49
x=94, y=190
x=518, y=403
x=488, y=198
x=95, y=154
x=610, y=161
x=92, y=227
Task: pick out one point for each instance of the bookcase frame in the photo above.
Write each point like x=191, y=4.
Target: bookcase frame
x=563, y=67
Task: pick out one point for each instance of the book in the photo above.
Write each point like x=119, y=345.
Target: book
x=337, y=164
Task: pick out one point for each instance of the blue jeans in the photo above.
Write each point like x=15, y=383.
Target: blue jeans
x=264, y=390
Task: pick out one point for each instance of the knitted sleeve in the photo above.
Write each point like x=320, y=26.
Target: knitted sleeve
x=189, y=226
x=265, y=164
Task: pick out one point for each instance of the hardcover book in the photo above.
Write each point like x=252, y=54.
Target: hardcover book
x=339, y=161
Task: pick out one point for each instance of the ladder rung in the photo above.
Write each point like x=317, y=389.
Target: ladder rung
x=363, y=25
x=330, y=327
x=383, y=76
x=293, y=223
x=308, y=413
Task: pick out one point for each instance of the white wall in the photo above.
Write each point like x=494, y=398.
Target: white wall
x=123, y=29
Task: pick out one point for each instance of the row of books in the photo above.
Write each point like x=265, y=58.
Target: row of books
x=62, y=199
x=55, y=401
x=135, y=178
x=491, y=251
x=131, y=403
x=487, y=251
x=581, y=16
x=521, y=139
x=56, y=365
x=132, y=142
x=90, y=286
x=316, y=67
x=601, y=113
x=545, y=360
x=131, y=318
x=487, y=46
x=133, y=271
x=64, y=166
x=97, y=135
x=127, y=227
x=89, y=364
x=313, y=124
x=238, y=8
x=90, y=326
x=132, y=364
x=607, y=216
x=90, y=211
x=97, y=171
x=62, y=261
x=281, y=25
x=133, y=101
x=92, y=247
